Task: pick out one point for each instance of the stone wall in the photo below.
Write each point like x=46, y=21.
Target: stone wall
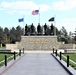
x=70, y=50
x=13, y=46
x=39, y=42
x=67, y=46
x=35, y=43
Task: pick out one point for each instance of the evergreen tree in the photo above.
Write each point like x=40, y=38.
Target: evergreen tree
x=63, y=35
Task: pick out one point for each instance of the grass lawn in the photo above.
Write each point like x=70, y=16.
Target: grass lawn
x=72, y=57
x=2, y=47
x=9, y=56
x=2, y=57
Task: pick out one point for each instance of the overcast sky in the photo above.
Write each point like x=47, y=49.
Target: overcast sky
x=63, y=10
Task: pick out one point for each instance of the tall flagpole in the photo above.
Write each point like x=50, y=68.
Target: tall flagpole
x=23, y=25
x=39, y=14
x=54, y=25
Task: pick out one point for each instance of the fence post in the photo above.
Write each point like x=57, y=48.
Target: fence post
x=5, y=60
x=60, y=55
x=67, y=61
x=56, y=52
x=53, y=50
x=23, y=50
x=19, y=52
x=14, y=55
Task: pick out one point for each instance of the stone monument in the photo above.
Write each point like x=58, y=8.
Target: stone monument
x=38, y=40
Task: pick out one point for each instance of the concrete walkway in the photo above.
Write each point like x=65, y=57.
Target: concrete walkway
x=36, y=64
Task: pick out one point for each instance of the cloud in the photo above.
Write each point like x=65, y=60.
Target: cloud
x=22, y=6
x=64, y=5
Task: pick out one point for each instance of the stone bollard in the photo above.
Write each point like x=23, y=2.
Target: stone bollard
x=5, y=60
x=67, y=61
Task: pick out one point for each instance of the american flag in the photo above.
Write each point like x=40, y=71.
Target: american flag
x=35, y=12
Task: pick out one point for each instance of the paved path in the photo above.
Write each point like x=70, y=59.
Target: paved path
x=36, y=64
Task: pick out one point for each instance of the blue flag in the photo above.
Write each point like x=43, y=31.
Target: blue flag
x=21, y=20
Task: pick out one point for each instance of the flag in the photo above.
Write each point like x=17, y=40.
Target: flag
x=35, y=12
x=51, y=19
x=21, y=20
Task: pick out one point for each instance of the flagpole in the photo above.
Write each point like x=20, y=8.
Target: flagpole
x=23, y=25
x=39, y=14
x=54, y=26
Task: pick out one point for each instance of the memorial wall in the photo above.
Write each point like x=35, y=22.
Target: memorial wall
x=42, y=39
x=39, y=38
x=39, y=42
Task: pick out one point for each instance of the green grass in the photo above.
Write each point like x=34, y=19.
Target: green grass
x=72, y=57
x=3, y=47
x=2, y=57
